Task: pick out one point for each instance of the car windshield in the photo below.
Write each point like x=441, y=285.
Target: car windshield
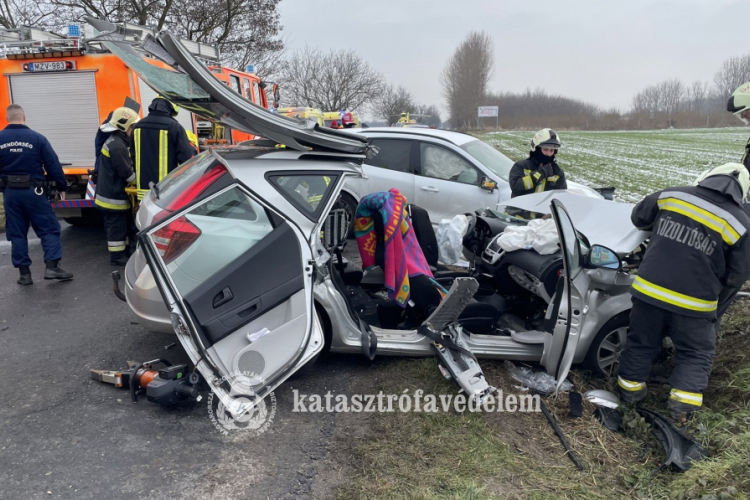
x=490, y=157
x=508, y=213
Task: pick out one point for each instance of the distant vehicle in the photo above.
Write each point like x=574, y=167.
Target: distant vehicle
x=336, y=116
x=444, y=172
x=304, y=113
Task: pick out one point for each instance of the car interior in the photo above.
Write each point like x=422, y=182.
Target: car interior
x=514, y=295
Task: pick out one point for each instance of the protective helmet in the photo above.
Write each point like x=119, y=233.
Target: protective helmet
x=740, y=100
x=735, y=170
x=547, y=138
x=122, y=119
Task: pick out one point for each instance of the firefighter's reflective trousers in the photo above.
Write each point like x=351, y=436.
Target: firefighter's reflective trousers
x=694, y=342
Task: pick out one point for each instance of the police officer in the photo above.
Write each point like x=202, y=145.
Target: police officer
x=158, y=144
x=25, y=156
x=115, y=173
x=697, y=259
x=538, y=172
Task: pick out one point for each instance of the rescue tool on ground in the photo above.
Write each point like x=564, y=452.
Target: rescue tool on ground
x=167, y=385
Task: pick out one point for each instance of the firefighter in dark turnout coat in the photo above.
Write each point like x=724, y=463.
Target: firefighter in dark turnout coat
x=697, y=259
x=25, y=157
x=158, y=145
x=538, y=172
x=115, y=173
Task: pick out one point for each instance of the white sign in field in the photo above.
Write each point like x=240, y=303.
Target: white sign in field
x=484, y=111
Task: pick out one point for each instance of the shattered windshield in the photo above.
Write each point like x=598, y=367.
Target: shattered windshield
x=177, y=86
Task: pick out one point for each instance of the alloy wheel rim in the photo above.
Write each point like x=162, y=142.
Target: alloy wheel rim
x=608, y=354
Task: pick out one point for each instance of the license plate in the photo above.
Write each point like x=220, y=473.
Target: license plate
x=48, y=66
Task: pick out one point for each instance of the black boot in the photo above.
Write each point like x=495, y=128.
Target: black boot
x=25, y=277
x=55, y=272
x=118, y=259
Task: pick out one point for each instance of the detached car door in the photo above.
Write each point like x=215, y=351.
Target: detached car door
x=237, y=276
x=571, y=301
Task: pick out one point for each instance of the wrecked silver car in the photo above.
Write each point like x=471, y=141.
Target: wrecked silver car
x=231, y=259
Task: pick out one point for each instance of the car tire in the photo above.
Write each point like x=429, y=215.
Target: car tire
x=604, y=352
x=348, y=203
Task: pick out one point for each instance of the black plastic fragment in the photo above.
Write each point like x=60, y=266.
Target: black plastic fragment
x=681, y=449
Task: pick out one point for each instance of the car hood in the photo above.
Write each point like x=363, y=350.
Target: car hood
x=603, y=222
x=192, y=86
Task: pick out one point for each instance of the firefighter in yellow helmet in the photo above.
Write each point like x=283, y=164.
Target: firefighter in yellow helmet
x=697, y=259
x=115, y=173
x=539, y=172
x=158, y=144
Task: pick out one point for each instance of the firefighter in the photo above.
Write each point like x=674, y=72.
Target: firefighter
x=538, y=172
x=739, y=104
x=115, y=173
x=25, y=156
x=697, y=259
x=158, y=144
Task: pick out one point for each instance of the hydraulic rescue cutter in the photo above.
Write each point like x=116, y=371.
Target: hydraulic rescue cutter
x=166, y=386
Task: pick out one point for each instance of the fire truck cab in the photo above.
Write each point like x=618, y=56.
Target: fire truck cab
x=67, y=87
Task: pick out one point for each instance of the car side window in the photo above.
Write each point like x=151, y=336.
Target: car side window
x=307, y=192
x=441, y=163
x=393, y=154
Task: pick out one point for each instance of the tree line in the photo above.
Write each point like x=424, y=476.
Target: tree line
x=671, y=103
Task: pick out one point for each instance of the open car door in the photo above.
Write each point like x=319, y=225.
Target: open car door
x=571, y=301
x=237, y=278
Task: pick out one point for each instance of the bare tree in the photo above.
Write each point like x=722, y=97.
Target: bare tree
x=16, y=13
x=672, y=91
x=466, y=77
x=246, y=31
x=392, y=102
x=734, y=72
x=330, y=81
x=428, y=115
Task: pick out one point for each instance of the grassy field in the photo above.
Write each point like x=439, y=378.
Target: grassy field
x=635, y=162
x=510, y=455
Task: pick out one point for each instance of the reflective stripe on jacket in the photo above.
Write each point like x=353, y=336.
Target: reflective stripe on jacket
x=699, y=245
x=158, y=145
x=526, y=177
x=115, y=173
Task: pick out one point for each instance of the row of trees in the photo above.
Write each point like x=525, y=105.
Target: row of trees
x=670, y=103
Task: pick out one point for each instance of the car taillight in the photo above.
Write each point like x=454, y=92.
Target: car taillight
x=174, y=238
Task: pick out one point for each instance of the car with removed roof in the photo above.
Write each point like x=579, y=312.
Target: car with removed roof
x=231, y=259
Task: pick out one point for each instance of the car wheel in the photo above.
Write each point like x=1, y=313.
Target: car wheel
x=604, y=352
x=347, y=203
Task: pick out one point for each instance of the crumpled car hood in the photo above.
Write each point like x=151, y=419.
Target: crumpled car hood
x=603, y=222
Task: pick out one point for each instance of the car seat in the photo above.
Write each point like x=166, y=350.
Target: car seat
x=477, y=317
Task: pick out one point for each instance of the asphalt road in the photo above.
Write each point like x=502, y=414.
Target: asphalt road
x=64, y=435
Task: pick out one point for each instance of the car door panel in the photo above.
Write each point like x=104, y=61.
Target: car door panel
x=560, y=347
x=250, y=323
x=276, y=269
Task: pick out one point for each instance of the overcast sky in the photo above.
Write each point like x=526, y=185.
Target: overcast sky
x=600, y=51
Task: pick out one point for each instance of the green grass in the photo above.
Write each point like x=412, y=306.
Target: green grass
x=635, y=162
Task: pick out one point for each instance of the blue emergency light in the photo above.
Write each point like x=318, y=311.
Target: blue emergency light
x=250, y=68
x=74, y=31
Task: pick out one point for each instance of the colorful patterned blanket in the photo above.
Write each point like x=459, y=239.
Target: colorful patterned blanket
x=403, y=255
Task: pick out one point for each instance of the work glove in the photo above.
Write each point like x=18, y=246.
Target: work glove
x=547, y=170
